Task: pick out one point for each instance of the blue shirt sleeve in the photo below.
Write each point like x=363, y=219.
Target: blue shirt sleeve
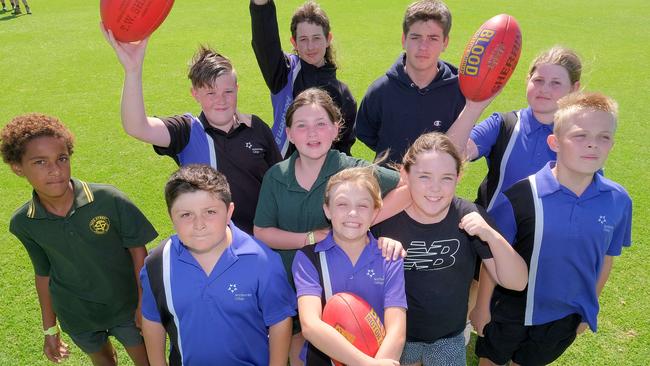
x=394, y=291
x=277, y=300
x=149, y=307
x=485, y=134
x=305, y=276
x=504, y=218
x=622, y=230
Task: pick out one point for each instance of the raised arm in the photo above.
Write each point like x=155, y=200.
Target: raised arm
x=459, y=131
x=267, y=46
x=134, y=119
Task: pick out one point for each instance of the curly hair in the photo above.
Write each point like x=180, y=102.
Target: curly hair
x=22, y=129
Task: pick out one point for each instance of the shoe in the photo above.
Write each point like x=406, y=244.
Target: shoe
x=29, y=11
x=17, y=11
x=4, y=8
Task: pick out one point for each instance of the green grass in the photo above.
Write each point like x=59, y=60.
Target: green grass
x=56, y=61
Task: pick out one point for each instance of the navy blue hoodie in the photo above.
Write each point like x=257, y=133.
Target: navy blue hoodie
x=395, y=112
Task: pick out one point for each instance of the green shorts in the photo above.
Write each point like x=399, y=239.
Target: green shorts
x=92, y=342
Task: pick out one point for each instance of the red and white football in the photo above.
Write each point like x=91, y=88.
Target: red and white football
x=490, y=58
x=133, y=20
x=356, y=320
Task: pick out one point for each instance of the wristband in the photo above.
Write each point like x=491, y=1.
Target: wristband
x=310, y=238
x=53, y=330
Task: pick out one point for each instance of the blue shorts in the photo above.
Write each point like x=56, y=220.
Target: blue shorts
x=92, y=342
x=443, y=352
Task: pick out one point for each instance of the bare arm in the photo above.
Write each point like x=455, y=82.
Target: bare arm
x=395, y=202
x=459, y=131
x=327, y=339
x=154, y=339
x=134, y=119
x=395, y=324
x=53, y=347
x=260, y=2
x=480, y=315
x=279, y=340
x=137, y=257
x=506, y=267
x=282, y=239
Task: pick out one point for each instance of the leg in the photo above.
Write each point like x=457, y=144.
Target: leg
x=105, y=357
x=486, y=362
x=138, y=355
x=297, y=341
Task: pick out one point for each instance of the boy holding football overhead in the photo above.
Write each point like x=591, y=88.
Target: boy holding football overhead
x=420, y=92
x=240, y=146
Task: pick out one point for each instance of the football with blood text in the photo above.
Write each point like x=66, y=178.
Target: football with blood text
x=490, y=58
x=133, y=20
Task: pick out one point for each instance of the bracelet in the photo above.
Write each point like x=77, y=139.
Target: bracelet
x=53, y=330
x=310, y=238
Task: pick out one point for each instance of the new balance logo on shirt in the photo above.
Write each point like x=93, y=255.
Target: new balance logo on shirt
x=430, y=257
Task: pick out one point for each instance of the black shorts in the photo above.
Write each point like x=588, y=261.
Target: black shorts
x=527, y=345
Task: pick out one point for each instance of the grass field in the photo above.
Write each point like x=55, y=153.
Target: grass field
x=56, y=61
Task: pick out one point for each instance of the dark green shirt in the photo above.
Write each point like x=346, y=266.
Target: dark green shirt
x=85, y=254
x=284, y=204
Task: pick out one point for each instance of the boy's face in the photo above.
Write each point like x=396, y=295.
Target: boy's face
x=351, y=210
x=219, y=101
x=46, y=166
x=546, y=85
x=200, y=218
x=311, y=43
x=583, y=144
x=423, y=45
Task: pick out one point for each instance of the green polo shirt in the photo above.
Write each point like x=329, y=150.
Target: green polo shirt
x=92, y=280
x=284, y=204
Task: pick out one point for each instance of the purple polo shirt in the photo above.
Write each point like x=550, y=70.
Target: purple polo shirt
x=379, y=282
x=566, y=238
x=530, y=152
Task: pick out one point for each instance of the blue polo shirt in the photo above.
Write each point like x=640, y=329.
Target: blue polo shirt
x=379, y=282
x=564, y=238
x=224, y=317
x=528, y=153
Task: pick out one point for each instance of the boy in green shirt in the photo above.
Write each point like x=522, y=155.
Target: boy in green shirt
x=86, y=243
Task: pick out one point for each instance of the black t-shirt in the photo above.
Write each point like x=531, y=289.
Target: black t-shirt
x=438, y=270
x=244, y=154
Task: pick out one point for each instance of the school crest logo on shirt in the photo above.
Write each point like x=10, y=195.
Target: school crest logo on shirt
x=100, y=225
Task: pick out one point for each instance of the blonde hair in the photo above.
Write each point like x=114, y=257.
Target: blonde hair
x=574, y=103
x=363, y=177
x=432, y=141
x=561, y=56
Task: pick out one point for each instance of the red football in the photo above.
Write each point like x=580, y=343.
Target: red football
x=490, y=58
x=133, y=20
x=353, y=317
